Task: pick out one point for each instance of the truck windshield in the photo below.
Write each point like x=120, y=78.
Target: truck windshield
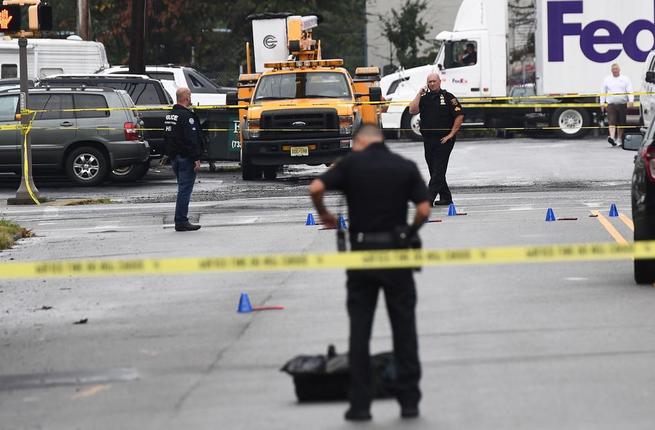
x=303, y=85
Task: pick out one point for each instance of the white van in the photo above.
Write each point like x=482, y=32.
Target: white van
x=648, y=86
x=46, y=57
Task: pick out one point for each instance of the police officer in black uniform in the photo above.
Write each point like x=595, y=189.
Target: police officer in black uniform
x=183, y=146
x=378, y=185
x=441, y=119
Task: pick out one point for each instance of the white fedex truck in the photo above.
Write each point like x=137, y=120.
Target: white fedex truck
x=553, y=48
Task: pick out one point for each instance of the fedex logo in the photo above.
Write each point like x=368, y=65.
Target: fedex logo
x=598, y=39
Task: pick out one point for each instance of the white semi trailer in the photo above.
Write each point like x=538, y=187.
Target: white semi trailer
x=554, y=48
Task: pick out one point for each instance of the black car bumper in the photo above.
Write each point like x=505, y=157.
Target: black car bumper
x=127, y=153
x=157, y=147
x=278, y=152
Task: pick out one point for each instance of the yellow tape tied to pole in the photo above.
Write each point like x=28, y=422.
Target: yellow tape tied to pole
x=386, y=259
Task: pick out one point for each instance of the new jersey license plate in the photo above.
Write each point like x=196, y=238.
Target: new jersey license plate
x=300, y=151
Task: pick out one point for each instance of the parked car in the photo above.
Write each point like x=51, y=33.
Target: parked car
x=86, y=145
x=203, y=90
x=145, y=92
x=648, y=86
x=643, y=195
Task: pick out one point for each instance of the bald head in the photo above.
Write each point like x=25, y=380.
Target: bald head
x=434, y=82
x=365, y=136
x=183, y=96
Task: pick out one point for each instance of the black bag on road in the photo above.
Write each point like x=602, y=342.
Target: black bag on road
x=319, y=378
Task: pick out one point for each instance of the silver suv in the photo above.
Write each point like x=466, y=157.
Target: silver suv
x=87, y=145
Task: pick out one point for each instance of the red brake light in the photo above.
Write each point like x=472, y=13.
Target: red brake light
x=648, y=154
x=131, y=131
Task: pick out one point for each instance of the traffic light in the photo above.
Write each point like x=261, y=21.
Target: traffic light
x=40, y=17
x=10, y=18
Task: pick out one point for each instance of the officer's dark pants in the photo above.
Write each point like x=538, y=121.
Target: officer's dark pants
x=186, y=177
x=437, y=155
x=400, y=297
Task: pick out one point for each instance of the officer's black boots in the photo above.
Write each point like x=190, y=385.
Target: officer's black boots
x=187, y=227
x=357, y=415
x=409, y=411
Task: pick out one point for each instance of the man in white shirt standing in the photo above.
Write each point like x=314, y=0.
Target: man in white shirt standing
x=616, y=100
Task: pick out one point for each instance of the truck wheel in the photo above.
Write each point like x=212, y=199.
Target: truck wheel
x=270, y=173
x=130, y=173
x=249, y=172
x=86, y=166
x=411, y=127
x=571, y=123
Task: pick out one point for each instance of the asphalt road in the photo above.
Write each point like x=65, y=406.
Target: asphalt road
x=543, y=346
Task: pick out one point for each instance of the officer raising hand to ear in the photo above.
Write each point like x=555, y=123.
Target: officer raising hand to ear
x=441, y=118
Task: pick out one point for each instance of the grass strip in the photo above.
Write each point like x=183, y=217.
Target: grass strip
x=11, y=232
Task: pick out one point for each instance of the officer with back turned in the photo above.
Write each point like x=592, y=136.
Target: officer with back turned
x=441, y=119
x=378, y=186
x=183, y=146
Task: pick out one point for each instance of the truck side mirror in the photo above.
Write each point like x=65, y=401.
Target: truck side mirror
x=633, y=141
x=650, y=77
x=440, y=66
x=375, y=94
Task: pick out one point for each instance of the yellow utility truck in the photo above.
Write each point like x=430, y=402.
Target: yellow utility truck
x=295, y=107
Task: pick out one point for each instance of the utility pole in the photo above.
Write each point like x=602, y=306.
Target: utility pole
x=137, y=60
x=27, y=192
x=83, y=18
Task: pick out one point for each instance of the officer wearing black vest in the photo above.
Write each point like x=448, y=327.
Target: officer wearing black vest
x=441, y=119
x=183, y=146
x=378, y=186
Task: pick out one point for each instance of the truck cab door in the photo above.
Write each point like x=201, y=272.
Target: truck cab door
x=460, y=67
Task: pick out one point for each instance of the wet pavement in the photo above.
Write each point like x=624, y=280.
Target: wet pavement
x=540, y=346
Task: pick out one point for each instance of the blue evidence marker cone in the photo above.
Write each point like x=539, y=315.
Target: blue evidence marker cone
x=452, y=210
x=244, y=304
x=342, y=223
x=614, y=212
x=310, y=220
x=550, y=215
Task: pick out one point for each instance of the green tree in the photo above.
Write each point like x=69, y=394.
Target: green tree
x=408, y=31
x=211, y=34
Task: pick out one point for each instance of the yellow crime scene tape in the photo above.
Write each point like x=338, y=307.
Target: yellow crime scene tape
x=472, y=102
x=296, y=130
x=357, y=260
x=26, y=174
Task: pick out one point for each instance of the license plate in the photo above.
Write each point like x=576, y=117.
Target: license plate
x=300, y=151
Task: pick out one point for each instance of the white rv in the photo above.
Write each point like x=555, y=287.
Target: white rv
x=551, y=48
x=47, y=57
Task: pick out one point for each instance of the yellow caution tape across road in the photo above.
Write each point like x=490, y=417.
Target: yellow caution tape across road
x=386, y=259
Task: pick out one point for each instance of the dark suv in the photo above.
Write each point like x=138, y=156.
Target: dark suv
x=84, y=132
